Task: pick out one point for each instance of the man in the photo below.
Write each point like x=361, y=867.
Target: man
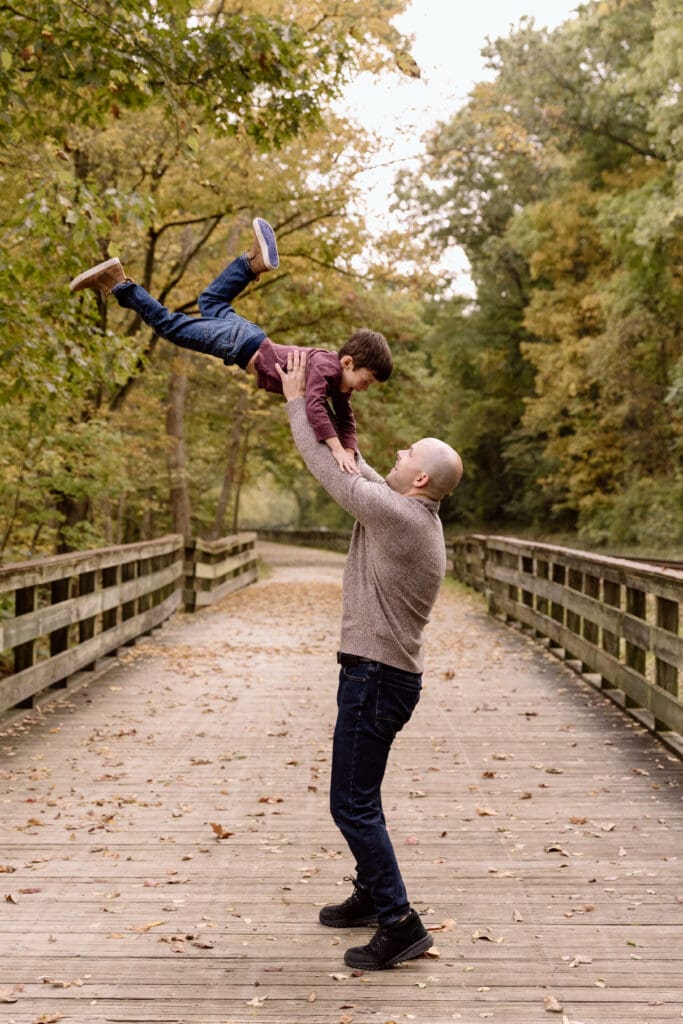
x=395, y=566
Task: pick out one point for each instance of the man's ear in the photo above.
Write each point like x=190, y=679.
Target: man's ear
x=346, y=362
x=421, y=480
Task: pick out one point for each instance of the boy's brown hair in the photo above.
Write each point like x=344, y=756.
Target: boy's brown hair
x=369, y=350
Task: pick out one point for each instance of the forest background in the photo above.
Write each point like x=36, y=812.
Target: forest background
x=156, y=129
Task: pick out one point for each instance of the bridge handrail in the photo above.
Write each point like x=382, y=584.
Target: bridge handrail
x=60, y=615
x=331, y=540
x=619, y=619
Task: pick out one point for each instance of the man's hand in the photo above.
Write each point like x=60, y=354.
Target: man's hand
x=294, y=380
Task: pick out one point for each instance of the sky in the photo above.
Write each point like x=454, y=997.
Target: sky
x=448, y=36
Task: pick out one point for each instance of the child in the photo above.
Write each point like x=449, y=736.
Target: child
x=361, y=361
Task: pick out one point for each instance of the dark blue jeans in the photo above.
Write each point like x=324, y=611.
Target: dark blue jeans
x=374, y=702
x=219, y=332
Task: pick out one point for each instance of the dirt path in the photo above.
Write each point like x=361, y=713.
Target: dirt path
x=538, y=830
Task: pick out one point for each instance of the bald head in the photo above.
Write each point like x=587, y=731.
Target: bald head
x=442, y=464
x=430, y=468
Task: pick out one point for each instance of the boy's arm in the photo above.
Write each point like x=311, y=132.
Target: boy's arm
x=346, y=421
x=336, y=438
x=364, y=499
x=316, y=401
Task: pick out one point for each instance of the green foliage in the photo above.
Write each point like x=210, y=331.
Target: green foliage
x=562, y=181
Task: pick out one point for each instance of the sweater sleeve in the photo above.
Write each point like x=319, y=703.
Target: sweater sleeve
x=367, y=472
x=368, y=500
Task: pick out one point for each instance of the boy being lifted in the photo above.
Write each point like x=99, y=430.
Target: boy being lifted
x=364, y=359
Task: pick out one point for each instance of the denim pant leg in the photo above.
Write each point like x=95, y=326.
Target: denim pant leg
x=374, y=703
x=216, y=298
x=232, y=339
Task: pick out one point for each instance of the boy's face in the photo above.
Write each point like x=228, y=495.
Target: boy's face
x=355, y=380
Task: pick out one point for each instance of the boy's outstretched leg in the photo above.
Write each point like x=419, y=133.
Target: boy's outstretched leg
x=216, y=299
x=232, y=339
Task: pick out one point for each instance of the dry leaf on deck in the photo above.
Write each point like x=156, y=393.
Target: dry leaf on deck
x=221, y=833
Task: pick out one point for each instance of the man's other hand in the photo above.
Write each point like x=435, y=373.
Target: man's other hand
x=294, y=380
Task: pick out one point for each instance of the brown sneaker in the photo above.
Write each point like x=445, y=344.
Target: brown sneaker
x=101, y=277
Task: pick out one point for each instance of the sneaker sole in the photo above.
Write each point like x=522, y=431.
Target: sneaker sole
x=343, y=922
x=266, y=240
x=82, y=280
x=417, y=948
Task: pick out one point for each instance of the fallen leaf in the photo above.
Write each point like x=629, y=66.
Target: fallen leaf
x=447, y=925
x=578, y=960
x=311, y=997
x=256, y=1001
x=483, y=811
x=8, y=995
x=221, y=833
x=551, y=1004
x=147, y=927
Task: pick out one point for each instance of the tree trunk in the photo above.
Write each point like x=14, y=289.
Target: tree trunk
x=231, y=466
x=177, y=470
x=240, y=480
x=73, y=511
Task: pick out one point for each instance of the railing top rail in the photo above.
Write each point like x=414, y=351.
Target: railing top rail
x=202, y=544
x=613, y=562
x=43, y=570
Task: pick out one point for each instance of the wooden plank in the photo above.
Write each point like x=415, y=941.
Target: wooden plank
x=209, y=597
x=47, y=570
x=214, y=570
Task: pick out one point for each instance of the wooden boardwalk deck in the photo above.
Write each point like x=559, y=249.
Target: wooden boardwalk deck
x=538, y=827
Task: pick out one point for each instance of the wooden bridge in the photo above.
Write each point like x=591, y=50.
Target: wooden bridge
x=165, y=843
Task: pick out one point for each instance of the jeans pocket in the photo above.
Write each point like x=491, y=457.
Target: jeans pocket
x=395, y=704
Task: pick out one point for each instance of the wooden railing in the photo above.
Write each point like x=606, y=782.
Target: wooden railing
x=59, y=616
x=332, y=540
x=617, y=621
x=214, y=568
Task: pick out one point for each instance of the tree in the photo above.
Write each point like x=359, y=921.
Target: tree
x=137, y=133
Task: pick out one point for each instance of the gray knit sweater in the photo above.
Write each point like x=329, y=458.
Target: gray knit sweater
x=396, y=560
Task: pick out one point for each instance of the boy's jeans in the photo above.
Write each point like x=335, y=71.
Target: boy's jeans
x=219, y=332
x=374, y=702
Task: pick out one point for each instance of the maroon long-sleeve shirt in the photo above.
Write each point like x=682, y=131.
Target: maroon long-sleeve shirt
x=323, y=382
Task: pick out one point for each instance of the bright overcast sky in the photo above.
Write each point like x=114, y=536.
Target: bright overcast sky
x=448, y=38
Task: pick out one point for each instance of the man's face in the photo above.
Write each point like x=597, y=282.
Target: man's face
x=405, y=469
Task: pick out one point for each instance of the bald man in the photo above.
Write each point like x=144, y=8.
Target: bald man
x=395, y=566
